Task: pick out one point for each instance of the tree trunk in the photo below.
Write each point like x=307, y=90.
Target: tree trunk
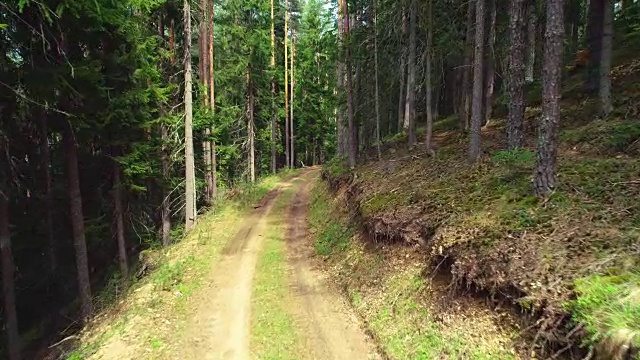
x=351, y=126
x=429, y=85
x=293, y=51
x=465, y=103
x=515, y=118
x=204, y=78
x=48, y=200
x=342, y=144
x=546, y=169
x=172, y=42
x=8, y=287
x=531, y=41
x=573, y=10
x=401, y=92
x=119, y=217
x=606, y=106
x=489, y=79
x=594, y=43
x=250, y=128
x=286, y=86
x=190, y=177
x=212, y=105
x=165, y=212
x=410, y=110
x=375, y=54
x=274, y=107
x=77, y=222
x=476, y=108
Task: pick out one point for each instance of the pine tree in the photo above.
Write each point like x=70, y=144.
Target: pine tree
x=515, y=118
x=118, y=214
x=77, y=222
x=429, y=83
x=477, y=100
x=546, y=167
x=606, y=106
x=190, y=178
x=532, y=29
x=274, y=107
x=410, y=107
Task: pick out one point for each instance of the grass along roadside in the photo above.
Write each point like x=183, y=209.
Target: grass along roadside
x=399, y=304
x=273, y=330
x=145, y=320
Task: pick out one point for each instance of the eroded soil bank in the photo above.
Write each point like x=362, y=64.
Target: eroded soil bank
x=412, y=305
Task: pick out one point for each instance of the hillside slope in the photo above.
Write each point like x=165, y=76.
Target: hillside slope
x=571, y=262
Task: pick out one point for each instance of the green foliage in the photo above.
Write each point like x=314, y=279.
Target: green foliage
x=169, y=275
x=332, y=236
x=337, y=167
x=514, y=158
x=608, y=306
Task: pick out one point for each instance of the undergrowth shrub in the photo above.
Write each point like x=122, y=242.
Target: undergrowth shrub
x=608, y=306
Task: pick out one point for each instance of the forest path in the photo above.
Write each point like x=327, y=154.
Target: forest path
x=220, y=325
x=222, y=322
x=330, y=327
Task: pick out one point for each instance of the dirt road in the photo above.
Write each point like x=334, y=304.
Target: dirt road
x=220, y=327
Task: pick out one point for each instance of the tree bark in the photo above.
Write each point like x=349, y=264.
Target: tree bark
x=190, y=177
x=595, y=24
x=293, y=51
x=546, y=168
x=375, y=54
x=429, y=85
x=212, y=105
x=250, y=128
x=165, y=211
x=342, y=144
x=351, y=126
x=119, y=217
x=606, y=106
x=515, y=118
x=286, y=86
x=476, y=107
x=77, y=223
x=401, y=92
x=8, y=287
x=465, y=102
x=489, y=76
x=531, y=41
x=274, y=107
x=410, y=110
x=204, y=78
x=46, y=183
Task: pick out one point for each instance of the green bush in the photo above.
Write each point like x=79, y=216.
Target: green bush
x=608, y=305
